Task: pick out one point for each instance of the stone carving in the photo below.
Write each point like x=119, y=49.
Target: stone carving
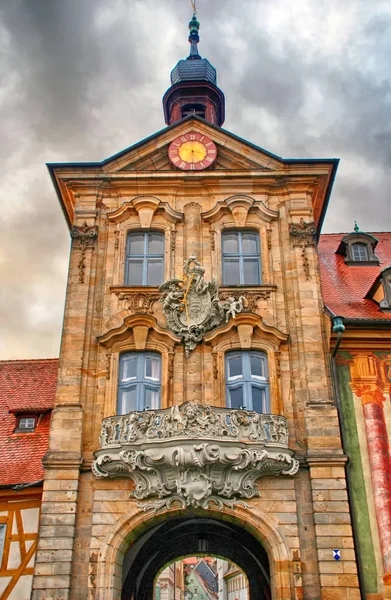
x=304, y=236
x=193, y=454
x=192, y=305
x=85, y=235
x=249, y=297
x=138, y=302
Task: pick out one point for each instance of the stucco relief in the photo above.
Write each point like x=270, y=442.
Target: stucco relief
x=192, y=305
x=194, y=454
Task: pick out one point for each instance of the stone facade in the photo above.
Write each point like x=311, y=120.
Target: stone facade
x=89, y=525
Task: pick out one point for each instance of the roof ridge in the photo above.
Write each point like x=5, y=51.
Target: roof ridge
x=27, y=360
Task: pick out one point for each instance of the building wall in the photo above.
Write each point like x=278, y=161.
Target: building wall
x=19, y=512
x=87, y=524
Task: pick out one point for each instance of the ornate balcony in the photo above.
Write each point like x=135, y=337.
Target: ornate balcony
x=194, y=454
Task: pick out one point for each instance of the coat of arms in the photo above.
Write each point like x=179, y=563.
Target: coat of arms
x=192, y=305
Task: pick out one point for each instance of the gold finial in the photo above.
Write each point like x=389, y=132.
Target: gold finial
x=193, y=5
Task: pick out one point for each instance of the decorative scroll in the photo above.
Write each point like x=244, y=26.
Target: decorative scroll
x=138, y=302
x=194, y=454
x=192, y=305
x=85, y=234
x=304, y=236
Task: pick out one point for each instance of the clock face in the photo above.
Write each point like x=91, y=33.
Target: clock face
x=192, y=151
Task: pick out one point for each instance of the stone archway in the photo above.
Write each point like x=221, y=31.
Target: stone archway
x=186, y=536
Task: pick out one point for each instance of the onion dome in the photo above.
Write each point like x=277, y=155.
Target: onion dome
x=194, y=86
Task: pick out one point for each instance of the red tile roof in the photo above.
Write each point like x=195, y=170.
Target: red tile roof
x=345, y=286
x=26, y=386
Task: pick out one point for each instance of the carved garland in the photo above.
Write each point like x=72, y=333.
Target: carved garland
x=85, y=234
x=303, y=235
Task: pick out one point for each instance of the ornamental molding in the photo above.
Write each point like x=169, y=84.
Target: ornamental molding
x=239, y=206
x=145, y=206
x=137, y=300
x=251, y=296
x=192, y=305
x=194, y=454
x=131, y=325
x=85, y=234
x=303, y=235
x=254, y=321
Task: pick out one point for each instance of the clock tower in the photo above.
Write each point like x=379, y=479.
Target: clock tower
x=194, y=412
x=194, y=88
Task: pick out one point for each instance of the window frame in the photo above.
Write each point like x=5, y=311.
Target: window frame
x=21, y=428
x=241, y=256
x=247, y=380
x=354, y=256
x=141, y=382
x=144, y=257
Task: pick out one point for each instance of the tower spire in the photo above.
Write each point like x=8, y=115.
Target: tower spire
x=194, y=38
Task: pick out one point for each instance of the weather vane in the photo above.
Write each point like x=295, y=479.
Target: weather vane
x=193, y=4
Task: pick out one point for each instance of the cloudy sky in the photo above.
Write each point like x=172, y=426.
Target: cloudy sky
x=82, y=79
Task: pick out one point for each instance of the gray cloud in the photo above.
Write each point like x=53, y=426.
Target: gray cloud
x=82, y=79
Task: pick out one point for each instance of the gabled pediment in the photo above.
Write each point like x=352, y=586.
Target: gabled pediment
x=149, y=158
x=231, y=153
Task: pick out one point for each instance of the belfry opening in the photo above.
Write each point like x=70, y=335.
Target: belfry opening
x=189, y=536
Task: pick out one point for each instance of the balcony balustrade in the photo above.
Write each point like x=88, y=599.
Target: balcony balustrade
x=194, y=454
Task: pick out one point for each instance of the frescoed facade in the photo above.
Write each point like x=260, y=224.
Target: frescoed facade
x=27, y=391
x=356, y=269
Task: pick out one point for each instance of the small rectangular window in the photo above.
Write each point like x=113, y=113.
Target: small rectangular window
x=26, y=423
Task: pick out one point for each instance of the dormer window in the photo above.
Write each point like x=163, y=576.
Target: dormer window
x=359, y=252
x=380, y=290
x=25, y=424
x=358, y=248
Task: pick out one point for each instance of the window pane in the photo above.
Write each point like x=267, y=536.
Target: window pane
x=129, y=369
x=236, y=397
x=257, y=367
x=235, y=367
x=258, y=398
x=136, y=243
x=152, y=400
x=230, y=243
x=26, y=423
x=155, y=271
x=127, y=400
x=231, y=273
x=134, y=272
x=249, y=243
x=155, y=243
x=152, y=368
x=251, y=271
x=360, y=252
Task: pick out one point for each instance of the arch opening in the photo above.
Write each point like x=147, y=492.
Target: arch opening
x=197, y=536
x=201, y=577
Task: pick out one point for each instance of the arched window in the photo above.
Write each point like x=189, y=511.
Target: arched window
x=360, y=252
x=144, y=258
x=139, y=382
x=247, y=383
x=241, y=258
